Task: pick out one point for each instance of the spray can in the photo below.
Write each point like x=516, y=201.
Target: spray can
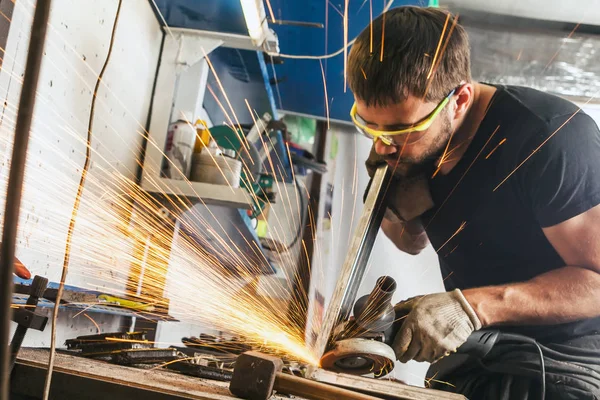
x=181, y=138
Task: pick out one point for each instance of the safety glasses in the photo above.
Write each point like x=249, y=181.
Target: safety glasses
x=386, y=136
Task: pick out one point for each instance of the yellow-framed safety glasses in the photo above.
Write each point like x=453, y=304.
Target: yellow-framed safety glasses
x=386, y=136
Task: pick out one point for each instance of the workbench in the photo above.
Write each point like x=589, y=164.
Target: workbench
x=86, y=379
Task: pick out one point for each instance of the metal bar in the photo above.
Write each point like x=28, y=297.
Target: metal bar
x=15, y=180
x=355, y=263
x=382, y=388
x=232, y=40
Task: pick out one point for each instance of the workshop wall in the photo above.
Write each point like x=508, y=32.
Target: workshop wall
x=77, y=43
x=76, y=47
x=348, y=179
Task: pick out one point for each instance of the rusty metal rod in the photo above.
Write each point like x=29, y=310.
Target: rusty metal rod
x=15, y=180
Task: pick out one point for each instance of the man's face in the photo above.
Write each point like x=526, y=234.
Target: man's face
x=413, y=152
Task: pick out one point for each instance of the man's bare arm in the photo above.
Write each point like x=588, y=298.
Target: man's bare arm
x=563, y=295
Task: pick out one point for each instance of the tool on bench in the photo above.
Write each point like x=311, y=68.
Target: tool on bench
x=363, y=345
x=26, y=316
x=257, y=375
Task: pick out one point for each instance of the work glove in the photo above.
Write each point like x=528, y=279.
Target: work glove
x=435, y=326
x=409, y=197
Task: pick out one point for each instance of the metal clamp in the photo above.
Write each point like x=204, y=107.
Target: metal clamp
x=26, y=316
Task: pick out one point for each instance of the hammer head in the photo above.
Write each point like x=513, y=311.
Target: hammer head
x=254, y=375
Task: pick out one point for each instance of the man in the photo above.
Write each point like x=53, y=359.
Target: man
x=507, y=188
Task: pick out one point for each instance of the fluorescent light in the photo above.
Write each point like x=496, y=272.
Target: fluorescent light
x=254, y=14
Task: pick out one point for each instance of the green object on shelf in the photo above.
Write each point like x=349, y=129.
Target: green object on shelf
x=262, y=228
x=433, y=3
x=301, y=129
x=251, y=179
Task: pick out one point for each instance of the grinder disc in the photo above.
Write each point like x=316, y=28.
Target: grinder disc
x=359, y=357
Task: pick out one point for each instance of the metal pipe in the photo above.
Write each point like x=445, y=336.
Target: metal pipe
x=375, y=312
x=356, y=260
x=15, y=180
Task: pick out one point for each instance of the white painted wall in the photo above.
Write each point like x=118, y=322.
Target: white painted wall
x=414, y=274
x=76, y=47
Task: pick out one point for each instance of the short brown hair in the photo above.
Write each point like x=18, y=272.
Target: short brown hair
x=411, y=37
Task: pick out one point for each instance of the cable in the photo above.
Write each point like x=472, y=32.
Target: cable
x=525, y=339
x=298, y=231
x=542, y=369
x=76, y=204
x=325, y=56
x=15, y=181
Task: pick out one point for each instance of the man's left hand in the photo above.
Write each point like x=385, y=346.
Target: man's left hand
x=436, y=326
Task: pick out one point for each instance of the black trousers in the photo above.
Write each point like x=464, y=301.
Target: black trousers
x=512, y=372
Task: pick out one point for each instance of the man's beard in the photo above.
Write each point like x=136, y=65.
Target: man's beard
x=407, y=167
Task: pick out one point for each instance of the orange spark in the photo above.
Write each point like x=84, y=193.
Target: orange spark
x=325, y=90
x=536, y=150
x=460, y=228
x=270, y=11
x=560, y=47
x=93, y=322
x=463, y=176
x=370, y=28
x=439, y=46
x=382, y=37
x=494, y=149
x=346, y=2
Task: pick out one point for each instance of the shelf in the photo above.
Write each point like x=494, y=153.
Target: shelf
x=208, y=193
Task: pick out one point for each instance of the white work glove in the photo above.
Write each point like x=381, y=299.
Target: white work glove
x=435, y=327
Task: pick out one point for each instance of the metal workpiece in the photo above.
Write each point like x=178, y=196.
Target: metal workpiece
x=374, y=312
x=357, y=258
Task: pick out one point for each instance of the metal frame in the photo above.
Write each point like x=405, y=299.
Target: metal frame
x=268, y=42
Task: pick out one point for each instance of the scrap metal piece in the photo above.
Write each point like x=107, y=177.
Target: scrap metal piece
x=201, y=371
x=104, y=338
x=106, y=348
x=359, y=357
x=69, y=296
x=145, y=356
x=356, y=260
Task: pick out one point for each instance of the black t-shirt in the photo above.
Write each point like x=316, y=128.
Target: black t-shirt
x=533, y=163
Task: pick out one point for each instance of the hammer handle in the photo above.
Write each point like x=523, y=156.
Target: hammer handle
x=312, y=390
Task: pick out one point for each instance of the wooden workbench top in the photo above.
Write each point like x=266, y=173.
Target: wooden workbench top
x=86, y=379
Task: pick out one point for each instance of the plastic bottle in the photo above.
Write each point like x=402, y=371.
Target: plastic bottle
x=181, y=138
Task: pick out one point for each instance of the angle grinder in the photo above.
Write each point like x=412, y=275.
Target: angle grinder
x=363, y=344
